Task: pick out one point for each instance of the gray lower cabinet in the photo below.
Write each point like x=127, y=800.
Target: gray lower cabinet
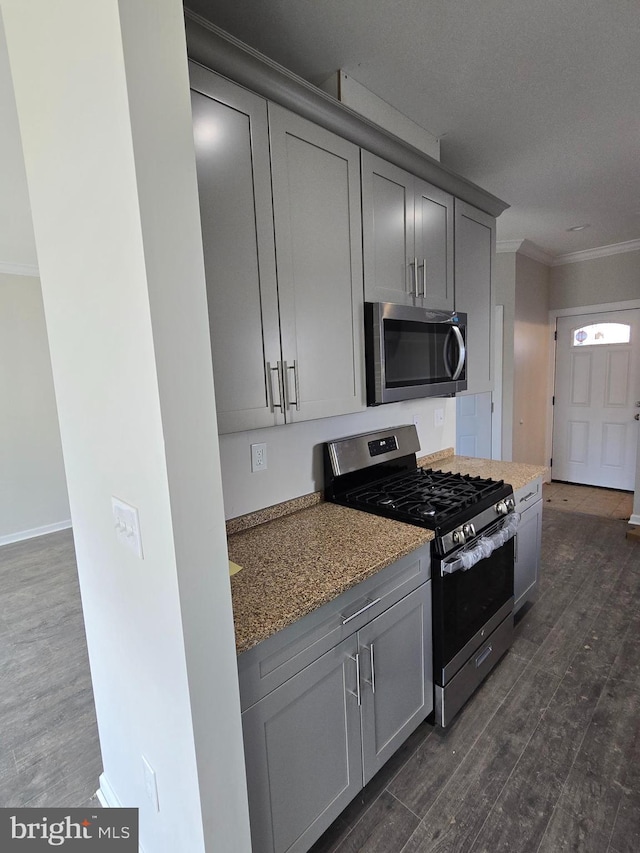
x=314, y=741
x=527, y=543
x=407, y=237
x=475, y=239
x=281, y=225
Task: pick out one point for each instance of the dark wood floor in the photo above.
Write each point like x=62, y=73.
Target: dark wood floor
x=49, y=748
x=545, y=757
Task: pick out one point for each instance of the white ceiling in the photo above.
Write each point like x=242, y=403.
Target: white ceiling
x=537, y=101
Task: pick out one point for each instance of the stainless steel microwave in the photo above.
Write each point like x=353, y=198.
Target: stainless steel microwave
x=413, y=352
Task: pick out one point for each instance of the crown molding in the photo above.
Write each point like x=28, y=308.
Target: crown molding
x=213, y=48
x=599, y=252
x=19, y=269
x=527, y=248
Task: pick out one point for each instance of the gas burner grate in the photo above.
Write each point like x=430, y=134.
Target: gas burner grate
x=423, y=496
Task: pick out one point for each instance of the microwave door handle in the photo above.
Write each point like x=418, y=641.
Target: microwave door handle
x=462, y=352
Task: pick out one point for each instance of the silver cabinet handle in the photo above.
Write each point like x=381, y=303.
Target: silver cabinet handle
x=357, y=693
x=288, y=401
x=414, y=283
x=424, y=277
x=373, y=670
x=526, y=497
x=272, y=398
x=369, y=604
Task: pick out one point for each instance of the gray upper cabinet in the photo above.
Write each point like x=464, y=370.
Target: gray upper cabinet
x=316, y=201
x=234, y=185
x=285, y=347
x=475, y=242
x=407, y=237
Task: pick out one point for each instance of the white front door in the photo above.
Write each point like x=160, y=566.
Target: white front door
x=597, y=395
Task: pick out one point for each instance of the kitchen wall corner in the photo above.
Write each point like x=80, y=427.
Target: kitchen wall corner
x=294, y=451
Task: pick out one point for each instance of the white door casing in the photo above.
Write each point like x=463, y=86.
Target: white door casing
x=597, y=387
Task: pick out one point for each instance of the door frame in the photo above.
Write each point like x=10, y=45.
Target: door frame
x=574, y=312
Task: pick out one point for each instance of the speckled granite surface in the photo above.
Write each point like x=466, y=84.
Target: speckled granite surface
x=518, y=474
x=269, y=513
x=295, y=563
x=297, y=555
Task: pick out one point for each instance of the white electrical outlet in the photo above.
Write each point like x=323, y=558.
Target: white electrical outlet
x=258, y=457
x=438, y=417
x=151, y=784
x=127, y=525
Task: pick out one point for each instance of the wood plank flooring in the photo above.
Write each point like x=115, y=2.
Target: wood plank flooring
x=49, y=748
x=545, y=758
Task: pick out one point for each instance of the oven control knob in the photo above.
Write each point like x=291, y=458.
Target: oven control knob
x=456, y=537
x=468, y=530
x=502, y=508
x=511, y=504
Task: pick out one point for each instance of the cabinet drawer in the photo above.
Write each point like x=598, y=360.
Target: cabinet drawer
x=528, y=495
x=278, y=658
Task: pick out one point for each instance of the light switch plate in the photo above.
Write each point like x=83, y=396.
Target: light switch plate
x=127, y=525
x=438, y=417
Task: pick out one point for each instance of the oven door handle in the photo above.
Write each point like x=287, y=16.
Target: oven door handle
x=483, y=547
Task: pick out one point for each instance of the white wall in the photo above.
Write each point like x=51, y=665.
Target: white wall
x=294, y=451
x=103, y=100
x=613, y=278
x=33, y=491
x=17, y=244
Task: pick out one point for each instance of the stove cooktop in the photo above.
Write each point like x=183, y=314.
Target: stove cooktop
x=426, y=497
x=378, y=472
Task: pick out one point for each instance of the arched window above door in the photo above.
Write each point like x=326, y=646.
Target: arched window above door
x=601, y=333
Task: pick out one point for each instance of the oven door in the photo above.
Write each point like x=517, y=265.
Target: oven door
x=468, y=603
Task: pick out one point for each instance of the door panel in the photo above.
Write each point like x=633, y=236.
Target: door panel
x=596, y=393
x=316, y=196
x=231, y=144
x=387, y=231
x=434, y=246
x=473, y=425
x=307, y=729
x=403, y=697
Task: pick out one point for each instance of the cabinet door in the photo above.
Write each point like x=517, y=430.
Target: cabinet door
x=232, y=159
x=434, y=246
x=388, y=232
x=475, y=244
x=527, y=554
x=316, y=196
x=397, y=690
x=302, y=752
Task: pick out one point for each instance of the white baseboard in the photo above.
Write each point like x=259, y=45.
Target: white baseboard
x=109, y=800
x=635, y=519
x=107, y=796
x=35, y=531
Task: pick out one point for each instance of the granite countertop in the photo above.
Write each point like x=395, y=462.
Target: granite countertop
x=300, y=554
x=517, y=474
x=295, y=563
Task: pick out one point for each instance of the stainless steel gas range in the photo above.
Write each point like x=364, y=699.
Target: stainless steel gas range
x=472, y=555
